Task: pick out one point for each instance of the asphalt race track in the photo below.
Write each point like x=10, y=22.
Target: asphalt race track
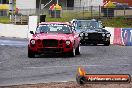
x=16, y=68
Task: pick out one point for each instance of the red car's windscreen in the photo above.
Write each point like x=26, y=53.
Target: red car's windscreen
x=65, y=29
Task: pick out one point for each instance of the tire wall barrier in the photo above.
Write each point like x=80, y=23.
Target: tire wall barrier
x=120, y=36
x=127, y=36
x=117, y=37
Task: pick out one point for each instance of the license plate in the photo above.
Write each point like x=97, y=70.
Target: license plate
x=86, y=37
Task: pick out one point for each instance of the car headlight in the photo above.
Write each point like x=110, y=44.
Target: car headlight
x=86, y=34
x=68, y=42
x=103, y=34
x=108, y=35
x=32, y=42
x=81, y=34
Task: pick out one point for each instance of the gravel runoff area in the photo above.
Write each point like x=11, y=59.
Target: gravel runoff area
x=70, y=85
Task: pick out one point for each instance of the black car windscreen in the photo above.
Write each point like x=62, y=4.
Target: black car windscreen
x=87, y=24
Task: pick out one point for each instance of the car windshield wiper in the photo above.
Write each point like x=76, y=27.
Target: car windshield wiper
x=67, y=33
x=43, y=32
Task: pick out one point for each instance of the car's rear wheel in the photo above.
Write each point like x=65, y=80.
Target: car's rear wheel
x=77, y=52
x=82, y=43
x=30, y=53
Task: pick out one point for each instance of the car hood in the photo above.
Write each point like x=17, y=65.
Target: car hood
x=56, y=36
x=89, y=30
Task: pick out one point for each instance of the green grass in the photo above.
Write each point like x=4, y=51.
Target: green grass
x=4, y=19
x=66, y=17
x=117, y=22
x=113, y=22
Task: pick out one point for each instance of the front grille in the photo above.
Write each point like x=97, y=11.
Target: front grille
x=95, y=36
x=50, y=43
x=51, y=50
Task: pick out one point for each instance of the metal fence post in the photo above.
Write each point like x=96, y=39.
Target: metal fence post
x=124, y=12
x=40, y=1
x=10, y=18
x=11, y=3
x=115, y=13
x=21, y=19
x=15, y=19
x=99, y=11
x=30, y=12
x=91, y=11
x=107, y=12
x=83, y=12
x=55, y=13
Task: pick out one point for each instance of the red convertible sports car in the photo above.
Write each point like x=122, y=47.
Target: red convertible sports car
x=54, y=37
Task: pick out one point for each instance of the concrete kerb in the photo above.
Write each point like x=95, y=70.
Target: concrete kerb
x=16, y=31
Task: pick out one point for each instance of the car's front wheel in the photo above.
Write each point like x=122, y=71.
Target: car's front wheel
x=77, y=52
x=82, y=43
x=95, y=44
x=73, y=53
x=30, y=53
x=107, y=43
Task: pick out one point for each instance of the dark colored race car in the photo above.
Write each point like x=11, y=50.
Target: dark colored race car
x=54, y=37
x=92, y=32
